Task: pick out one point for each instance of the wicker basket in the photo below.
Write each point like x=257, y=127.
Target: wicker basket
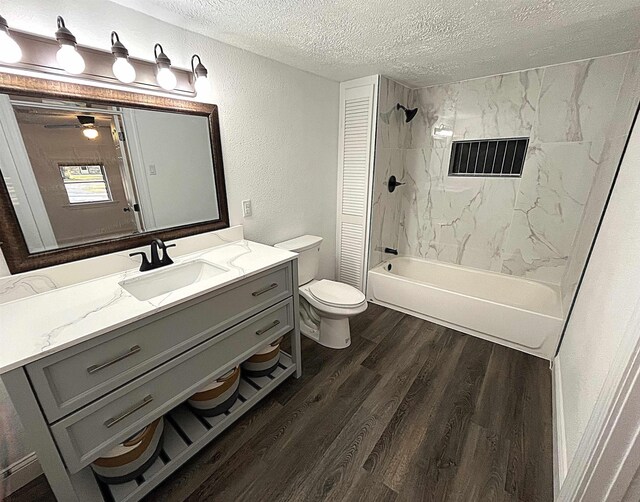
x=131, y=458
x=218, y=396
x=263, y=363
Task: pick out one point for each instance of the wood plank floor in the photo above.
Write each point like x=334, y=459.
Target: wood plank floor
x=411, y=411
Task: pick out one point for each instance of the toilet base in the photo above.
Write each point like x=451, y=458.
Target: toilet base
x=335, y=333
x=331, y=333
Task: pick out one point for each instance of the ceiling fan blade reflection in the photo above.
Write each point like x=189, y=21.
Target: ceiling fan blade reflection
x=61, y=126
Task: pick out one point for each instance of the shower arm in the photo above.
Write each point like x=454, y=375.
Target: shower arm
x=393, y=183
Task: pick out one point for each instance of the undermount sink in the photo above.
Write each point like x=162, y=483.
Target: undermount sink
x=174, y=277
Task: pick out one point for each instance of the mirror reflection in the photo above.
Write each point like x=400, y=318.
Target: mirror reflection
x=79, y=172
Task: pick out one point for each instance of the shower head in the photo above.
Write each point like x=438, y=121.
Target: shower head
x=409, y=113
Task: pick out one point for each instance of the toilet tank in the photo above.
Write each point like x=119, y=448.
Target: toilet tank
x=308, y=248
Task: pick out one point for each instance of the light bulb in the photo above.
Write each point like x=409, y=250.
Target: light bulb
x=166, y=79
x=202, y=86
x=70, y=59
x=90, y=132
x=10, y=51
x=124, y=70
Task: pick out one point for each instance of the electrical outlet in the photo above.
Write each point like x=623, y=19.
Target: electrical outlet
x=246, y=208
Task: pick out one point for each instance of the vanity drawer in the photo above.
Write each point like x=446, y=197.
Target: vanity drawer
x=84, y=435
x=73, y=378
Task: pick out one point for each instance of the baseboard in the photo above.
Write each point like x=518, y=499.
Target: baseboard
x=559, y=438
x=19, y=474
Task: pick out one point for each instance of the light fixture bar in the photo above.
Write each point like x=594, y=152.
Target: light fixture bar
x=39, y=54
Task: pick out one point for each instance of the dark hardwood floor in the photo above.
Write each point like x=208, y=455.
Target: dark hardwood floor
x=411, y=411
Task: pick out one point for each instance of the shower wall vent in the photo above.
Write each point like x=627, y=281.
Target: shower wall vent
x=488, y=157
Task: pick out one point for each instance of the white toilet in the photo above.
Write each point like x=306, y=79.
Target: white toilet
x=325, y=306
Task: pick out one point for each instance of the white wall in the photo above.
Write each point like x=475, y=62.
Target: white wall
x=279, y=125
x=609, y=293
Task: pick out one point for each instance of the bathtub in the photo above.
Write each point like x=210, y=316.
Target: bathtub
x=519, y=313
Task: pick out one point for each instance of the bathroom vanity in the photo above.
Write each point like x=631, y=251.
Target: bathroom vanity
x=96, y=348
x=90, y=364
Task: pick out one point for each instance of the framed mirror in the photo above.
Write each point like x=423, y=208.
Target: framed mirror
x=89, y=171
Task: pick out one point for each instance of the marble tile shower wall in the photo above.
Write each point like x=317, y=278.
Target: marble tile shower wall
x=392, y=141
x=523, y=226
x=615, y=139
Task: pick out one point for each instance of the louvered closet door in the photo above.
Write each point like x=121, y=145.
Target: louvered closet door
x=357, y=128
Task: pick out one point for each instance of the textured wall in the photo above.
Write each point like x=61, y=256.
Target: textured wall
x=12, y=445
x=279, y=124
x=524, y=226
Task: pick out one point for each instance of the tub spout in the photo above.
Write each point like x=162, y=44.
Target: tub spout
x=391, y=251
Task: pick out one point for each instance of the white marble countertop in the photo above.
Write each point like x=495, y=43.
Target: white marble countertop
x=37, y=326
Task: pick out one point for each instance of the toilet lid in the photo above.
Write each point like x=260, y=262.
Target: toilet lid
x=336, y=294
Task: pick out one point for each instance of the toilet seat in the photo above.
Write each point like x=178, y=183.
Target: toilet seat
x=336, y=294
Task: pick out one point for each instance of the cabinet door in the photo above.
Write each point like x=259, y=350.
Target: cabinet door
x=358, y=111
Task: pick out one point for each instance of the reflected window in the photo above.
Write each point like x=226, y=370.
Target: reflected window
x=85, y=184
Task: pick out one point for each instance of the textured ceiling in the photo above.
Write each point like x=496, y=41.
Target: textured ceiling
x=415, y=42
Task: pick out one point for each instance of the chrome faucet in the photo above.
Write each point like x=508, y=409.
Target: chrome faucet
x=156, y=260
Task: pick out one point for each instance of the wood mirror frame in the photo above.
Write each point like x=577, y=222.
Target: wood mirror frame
x=12, y=241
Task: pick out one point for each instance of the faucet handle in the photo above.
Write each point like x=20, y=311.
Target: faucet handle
x=145, y=265
x=166, y=259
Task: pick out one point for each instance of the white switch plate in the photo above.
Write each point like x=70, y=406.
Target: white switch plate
x=246, y=208
x=152, y=169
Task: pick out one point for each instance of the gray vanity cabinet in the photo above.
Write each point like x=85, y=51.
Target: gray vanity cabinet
x=78, y=403
x=73, y=378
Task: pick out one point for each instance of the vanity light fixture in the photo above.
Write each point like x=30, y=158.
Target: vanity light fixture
x=43, y=55
x=68, y=56
x=442, y=132
x=123, y=70
x=166, y=78
x=10, y=51
x=200, y=73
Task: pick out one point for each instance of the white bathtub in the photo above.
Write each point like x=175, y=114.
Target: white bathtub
x=519, y=313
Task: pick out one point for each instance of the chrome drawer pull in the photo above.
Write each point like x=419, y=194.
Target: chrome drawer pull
x=97, y=367
x=264, y=290
x=267, y=328
x=113, y=421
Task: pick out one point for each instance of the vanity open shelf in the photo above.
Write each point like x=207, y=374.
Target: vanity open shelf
x=187, y=433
